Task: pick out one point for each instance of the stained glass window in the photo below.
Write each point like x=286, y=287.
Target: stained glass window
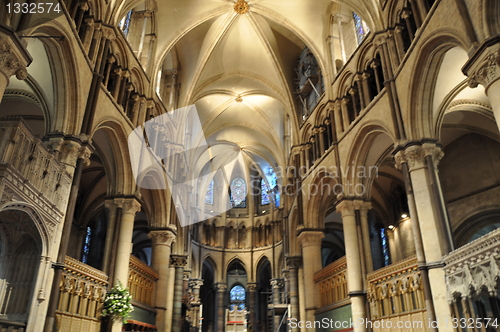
x=86, y=245
x=238, y=193
x=125, y=22
x=385, y=246
x=209, y=197
x=264, y=192
x=360, y=26
x=237, y=297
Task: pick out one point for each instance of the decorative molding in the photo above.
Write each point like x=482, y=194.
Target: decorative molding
x=9, y=61
x=163, y=237
x=178, y=260
x=471, y=102
x=331, y=269
x=294, y=262
x=310, y=238
x=414, y=155
x=474, y=267
x=241, y=7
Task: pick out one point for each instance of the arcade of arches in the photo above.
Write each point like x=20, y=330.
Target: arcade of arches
x=343, y=165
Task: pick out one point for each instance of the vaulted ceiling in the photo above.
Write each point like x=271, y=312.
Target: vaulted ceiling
x=238, y=68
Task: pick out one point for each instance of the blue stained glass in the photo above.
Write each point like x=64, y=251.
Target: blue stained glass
x=125, y=22
x=264, y=192
x=237, y=296
x=209, y=197
x=238, y=193
x=86, y=245
x=360, y=29
x=385, y=246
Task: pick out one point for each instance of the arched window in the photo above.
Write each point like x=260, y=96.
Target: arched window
x=264, y=193
x=125, y=22
x=209, y=197
x=237, y=296
x=385, y=246
x=86, y=245
x=238, y=193
x=360, y=26
x=94, y=240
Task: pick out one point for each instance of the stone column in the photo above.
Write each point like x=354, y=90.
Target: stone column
x=422, y=160
x=310, y=241
x=195, y=285
x=277, y=286
x=220, y=288
x=112, y=208
x=161, y=243
x=252, y=294
x=294, y=262
x=353, y=259
x=13, y=58
x=124, y=242
x=363, y=208
x=178, y=261
x=130, y=207
x=483, y=67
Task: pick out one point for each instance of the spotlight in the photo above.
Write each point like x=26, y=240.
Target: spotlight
x=391, y=227
x=404, y=215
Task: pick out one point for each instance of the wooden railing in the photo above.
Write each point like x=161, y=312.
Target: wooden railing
x=142, y=281
x=332, y=283
x=83, y=290
x=395, y=292
x=32, y=161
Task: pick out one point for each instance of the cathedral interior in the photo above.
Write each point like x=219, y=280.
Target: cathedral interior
x=250, y=165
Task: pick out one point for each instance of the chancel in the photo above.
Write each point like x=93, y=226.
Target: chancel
x=249, y=165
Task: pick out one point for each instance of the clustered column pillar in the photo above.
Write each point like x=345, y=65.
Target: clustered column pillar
x=311, y=254
x=277, y=285
x=294, y=263
x=220, y=288
x=252, y=293
x=421, y=159
x=353, y=260
x=178, y=261
x=195, y=285
x=161, y=243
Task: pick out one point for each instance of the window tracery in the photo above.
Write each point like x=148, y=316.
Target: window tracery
x=209, y=196
x=238, y=193
x=237, y=296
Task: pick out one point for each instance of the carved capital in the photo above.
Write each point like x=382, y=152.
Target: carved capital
x=362, y=206
x=162, y=238
x=178, y=260
x=294, y=262
x=195, y=283
x=129, y=205
x=10, y=62
x=84, y=153
x=483, y=67
x=310, y=238
x=346, y=208
x=277, y=283
x=220, y=287
x=252, y=287
x=415, y=155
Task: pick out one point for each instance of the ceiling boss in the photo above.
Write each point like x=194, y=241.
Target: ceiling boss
x=241, y=7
